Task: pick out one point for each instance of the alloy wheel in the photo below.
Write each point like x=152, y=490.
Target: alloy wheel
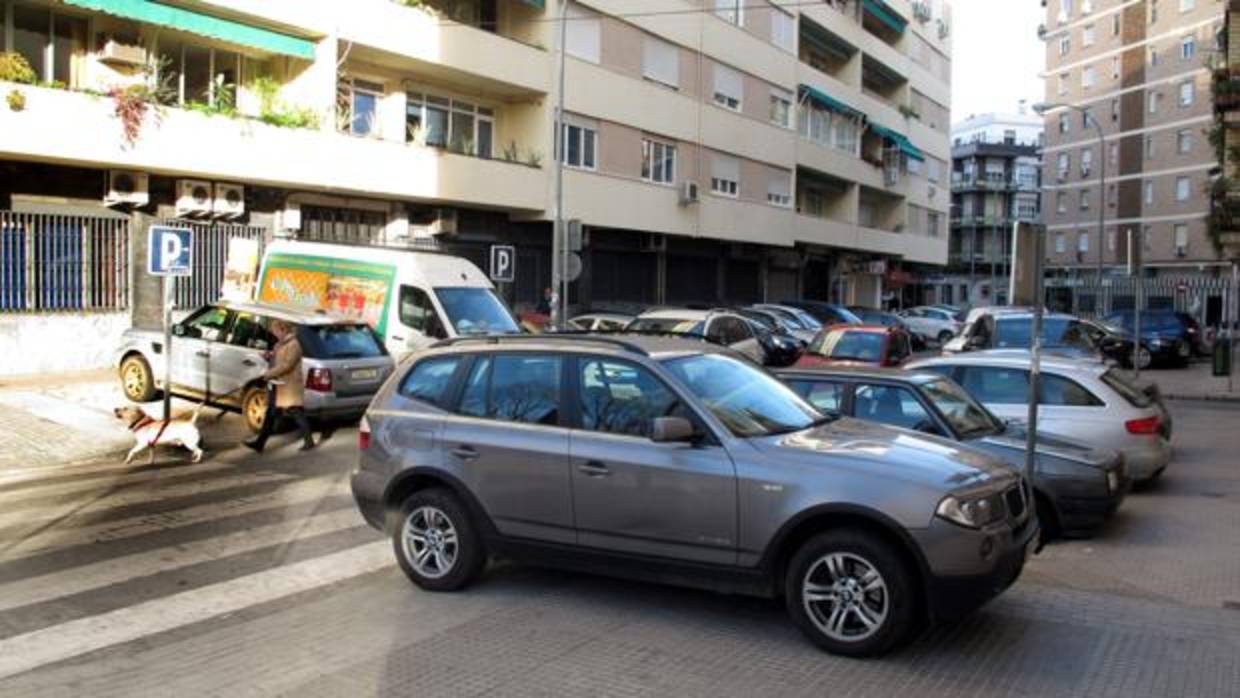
x=845, y=596
x=430, y=542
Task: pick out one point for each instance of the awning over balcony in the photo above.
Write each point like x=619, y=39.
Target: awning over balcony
x=900, y=140
x=882, y=12
x=202, y=24
x=540, y=4
x=826, y=101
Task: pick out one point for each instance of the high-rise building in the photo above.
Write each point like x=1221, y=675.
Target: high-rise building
x=1140, y=71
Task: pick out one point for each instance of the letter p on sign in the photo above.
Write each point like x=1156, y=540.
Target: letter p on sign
x=169, y=251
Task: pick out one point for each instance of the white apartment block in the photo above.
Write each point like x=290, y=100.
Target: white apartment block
x=716, y=150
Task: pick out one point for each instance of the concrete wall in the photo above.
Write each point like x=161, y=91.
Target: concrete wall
x=59, y=342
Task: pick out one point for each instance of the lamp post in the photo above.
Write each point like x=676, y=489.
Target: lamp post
x=1041, y=108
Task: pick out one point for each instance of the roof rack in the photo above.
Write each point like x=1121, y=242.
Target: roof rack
x=549, y=336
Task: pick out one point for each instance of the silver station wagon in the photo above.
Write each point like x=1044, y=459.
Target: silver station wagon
x=679, y=461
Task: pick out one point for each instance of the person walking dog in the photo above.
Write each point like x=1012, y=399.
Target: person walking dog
x=284, y=388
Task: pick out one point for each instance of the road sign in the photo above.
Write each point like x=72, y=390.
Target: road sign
x=503, y=263
x=574, y=266
x=169, y=251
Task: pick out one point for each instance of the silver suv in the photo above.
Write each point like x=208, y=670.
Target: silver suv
x=675, y=460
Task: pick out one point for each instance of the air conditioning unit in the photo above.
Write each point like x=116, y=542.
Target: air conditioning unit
x=194, y=198
x=127, y=188
x=688, y=192
x=116, y=53
x=445, y=222
x=653, y=242
x=229, y=200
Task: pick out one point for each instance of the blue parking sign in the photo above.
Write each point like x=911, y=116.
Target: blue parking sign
x=170, y=251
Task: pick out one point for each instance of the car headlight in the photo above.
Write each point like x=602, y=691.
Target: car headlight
x=971, y=512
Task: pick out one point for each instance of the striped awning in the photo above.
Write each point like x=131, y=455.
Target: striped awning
x=900, y=140
x=826, y=101
x=882, y=12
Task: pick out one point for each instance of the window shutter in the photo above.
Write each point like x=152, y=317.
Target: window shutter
x=582, y=35
x=725, y=167
x=780, y=184
x=728, y=82
x=661, y=61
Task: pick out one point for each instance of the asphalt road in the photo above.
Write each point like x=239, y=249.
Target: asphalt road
x=253, y=575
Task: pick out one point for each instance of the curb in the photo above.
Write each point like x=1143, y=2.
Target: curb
x=1216, y=397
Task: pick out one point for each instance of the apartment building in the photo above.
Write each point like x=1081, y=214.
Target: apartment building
x=1141, y=70
x=996, y=180
x=716, y=150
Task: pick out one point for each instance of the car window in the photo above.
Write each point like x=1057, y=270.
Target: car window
x=1057, y=390
x=666, y=325
x=417, y=311
x=357, y=341
x=747, y=400
x=621, y=398
x=476, y=311
x=892, y=405
x=610, y=325
x=208, y=323
x=827, y=396
x=996, y=385
x=514, y=388
x=250, y=331
x=728, y=330
x=900, y=348
x=849, y=345
x=429, y=380
x=961, y=410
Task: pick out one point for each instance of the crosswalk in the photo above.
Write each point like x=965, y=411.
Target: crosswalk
x=93, y=557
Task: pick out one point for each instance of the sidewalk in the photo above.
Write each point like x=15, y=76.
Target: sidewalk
x=1194, y=382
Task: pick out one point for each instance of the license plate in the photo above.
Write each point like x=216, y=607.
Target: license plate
x=365, y=374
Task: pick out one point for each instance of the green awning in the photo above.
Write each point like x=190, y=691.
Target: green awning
x=900, y=140
x=826, y=41
x=883, y=13
x=204, y=25
x=826, y=101
x=540, y=4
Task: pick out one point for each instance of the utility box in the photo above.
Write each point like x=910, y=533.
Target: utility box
x=1222, y=356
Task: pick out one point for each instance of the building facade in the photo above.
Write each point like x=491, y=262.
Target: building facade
x=996, y=180
x=1141, y=70
x=716, y=150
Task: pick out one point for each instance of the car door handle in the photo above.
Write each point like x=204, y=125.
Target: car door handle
x=465, y=452
x=594, y=468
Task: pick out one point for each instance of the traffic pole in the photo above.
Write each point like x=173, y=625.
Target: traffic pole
x=169, y=286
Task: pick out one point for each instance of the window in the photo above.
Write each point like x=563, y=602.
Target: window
x=1154, y=100
x=1082, y=242
x=1087, y=116
x=725, y=175
x=1149, y=192
x=1181, y=237
x=514, y=388
x=1115, y=24
x=583, y=34
x=658, y=161
x=1187, y=5
x=779, y=189
x=730, y=11
x=1057, y=390
x=1063, y=83
x=1087, y=6
x=661, y=61
x=441, y=122
x=1087, y=77
x=1061, y=202
x=933, y=169
x=891, y=405
x=729, y=87
x=1063, y=165
x=620, y=398
x=1084, y=199
x=207, y=76
x=1114, y=71
x=1186, y=93
x=1065, y=10
x=429, y=380
x=783, y=30
x=250, y=331
x=1059, y=248
x=1111, y=237
x=1181, y=188
x=781, y=107
x=1087, y=35
x=1153, y=56
x=1113, y=154
x=417, y=312
x=1149, y=147
x=1115, y=110
x=581, y=146
x=53, y=44
x=1087, y=162
x=999, y=386
x=824, y=395
x=1065, y=45
x=210, y=324
x=932, y=224
x=1184, y=141
x=363, y=104
x=1188, y=47
x=1065, y=124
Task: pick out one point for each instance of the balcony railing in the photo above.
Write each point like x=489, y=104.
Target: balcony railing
x=962, y=183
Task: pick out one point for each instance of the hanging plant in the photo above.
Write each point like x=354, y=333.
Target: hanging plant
x=132, y=104
x=16, y=99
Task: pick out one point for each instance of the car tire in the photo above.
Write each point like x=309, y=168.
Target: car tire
x=436, y=542
x=254, y=408
x=945, y=337
x=1048, y=518
x=853, y=617
x=137, y=380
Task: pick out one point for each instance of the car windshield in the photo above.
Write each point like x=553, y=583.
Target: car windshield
x=849, y=345
x=1015, y=333
x=762, y=319
x=966, y=415
x=340, y=342
x=789, y=320
x=670, y=325
x=476, y=311
x=746, y=399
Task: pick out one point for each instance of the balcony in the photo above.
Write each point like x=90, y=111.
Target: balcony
x=988, y=183
x=60, y=126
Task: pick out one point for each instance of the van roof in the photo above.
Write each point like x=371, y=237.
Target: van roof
x=438, y=268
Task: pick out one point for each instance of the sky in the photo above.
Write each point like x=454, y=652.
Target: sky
x=996, y=55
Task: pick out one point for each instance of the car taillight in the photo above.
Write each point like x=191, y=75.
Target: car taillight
x=363, y=435
x=319, y=380
x=1147, y=425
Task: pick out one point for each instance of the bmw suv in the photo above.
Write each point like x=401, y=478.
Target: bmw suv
x=674, y=460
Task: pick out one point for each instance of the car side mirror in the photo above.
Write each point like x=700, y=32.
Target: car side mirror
x=178, y=330
x=671, y=429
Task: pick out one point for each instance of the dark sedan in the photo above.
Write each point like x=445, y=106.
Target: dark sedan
x=1077, y=488
x=1169, y=339
x=826, y=313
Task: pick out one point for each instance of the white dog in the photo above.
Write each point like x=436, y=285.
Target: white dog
x=149, y=432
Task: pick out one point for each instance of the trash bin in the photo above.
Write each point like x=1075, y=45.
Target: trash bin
x=1222, y=355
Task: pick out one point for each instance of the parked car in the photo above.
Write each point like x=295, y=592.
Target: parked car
x=1169, y=337
x=1076, y=487
x=955, y=310
x=605, y=322
x=1064, y=335
x=1085, y=401
x=932, y=323
x=826, y=313
x=872, y=316
x=218, y=356
x=719, y=326
x=858, y=345
x=796, y=316
x=669, y=460
x=1115, y=343
x=779, y=324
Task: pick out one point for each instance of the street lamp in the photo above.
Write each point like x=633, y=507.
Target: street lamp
x=1041, y=108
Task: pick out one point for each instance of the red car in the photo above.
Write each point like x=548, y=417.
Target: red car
x=857, y=345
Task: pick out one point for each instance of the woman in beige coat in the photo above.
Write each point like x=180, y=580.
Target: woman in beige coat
x=285, y=393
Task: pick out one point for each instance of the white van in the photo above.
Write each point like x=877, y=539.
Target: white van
x=410, y=297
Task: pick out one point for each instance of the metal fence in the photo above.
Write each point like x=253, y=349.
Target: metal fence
x=1205, y=298
x=210, y=257
x=63, y=263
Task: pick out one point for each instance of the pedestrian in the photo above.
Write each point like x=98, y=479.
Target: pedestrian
x=284, y=388
x=544, y=305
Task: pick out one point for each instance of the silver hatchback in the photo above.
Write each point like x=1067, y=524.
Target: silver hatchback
x=219, y=353
x=677, y=460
